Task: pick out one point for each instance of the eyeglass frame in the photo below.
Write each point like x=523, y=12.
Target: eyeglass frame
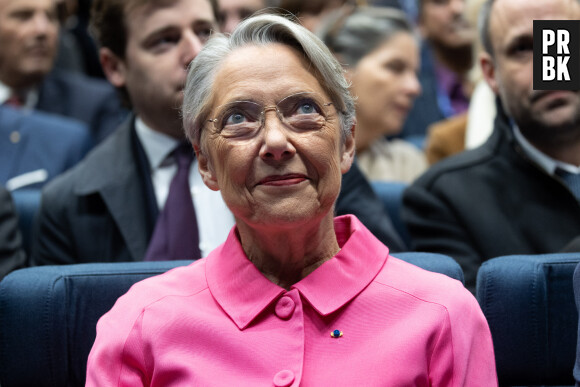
x=322, y=106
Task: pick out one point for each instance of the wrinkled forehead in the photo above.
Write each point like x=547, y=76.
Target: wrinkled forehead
x=265, y=74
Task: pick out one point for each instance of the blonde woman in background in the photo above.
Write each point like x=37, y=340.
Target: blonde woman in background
x=380, y=53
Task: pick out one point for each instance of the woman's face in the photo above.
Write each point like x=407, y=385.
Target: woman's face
x=385, y=84
x=278, y=175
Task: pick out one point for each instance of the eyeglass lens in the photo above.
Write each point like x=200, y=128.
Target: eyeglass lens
x=302, y=112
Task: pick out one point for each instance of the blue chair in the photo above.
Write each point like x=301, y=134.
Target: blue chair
x=576, y=285
x=528, y=301
x=437, y=263
x=48, y=314
x=391, y=194
x=27, y=203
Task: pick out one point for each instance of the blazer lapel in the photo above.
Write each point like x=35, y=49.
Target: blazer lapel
x=118, y=181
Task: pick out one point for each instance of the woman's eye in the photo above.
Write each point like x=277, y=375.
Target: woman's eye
x=396, y=66
x=306, y=108
x=235, y=118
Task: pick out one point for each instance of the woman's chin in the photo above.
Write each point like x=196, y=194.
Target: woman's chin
x=286, y=215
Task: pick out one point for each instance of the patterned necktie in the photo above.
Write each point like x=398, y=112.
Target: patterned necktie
x=572, y=180
x=176, y=235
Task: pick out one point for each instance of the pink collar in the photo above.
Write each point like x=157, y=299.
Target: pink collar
x=243, y=292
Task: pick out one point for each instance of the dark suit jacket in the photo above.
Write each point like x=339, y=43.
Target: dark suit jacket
x=102, y=210
x=358, y=198
x=92, y=101
x=488, y=202
x=31, y=141
x=12, y=255
x=573, y=246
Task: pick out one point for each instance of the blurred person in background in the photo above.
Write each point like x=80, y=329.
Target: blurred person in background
x=129, y=198
x=471, y=128
x=311, y=13
x=29, y=39
x=232, y=12
x=77, y=40
x=380, y=53
x=518, y=193
x=446, y=58
x=69, y=54
x=35, y=147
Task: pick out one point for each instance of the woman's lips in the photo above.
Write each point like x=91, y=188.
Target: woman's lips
x=280, y=180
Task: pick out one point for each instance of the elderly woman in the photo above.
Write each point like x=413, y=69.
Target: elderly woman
x=380, y=53
x=293, y=297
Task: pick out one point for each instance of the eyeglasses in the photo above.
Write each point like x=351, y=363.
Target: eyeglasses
x=243, y=119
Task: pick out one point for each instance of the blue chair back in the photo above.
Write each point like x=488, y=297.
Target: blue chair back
x=437, y=263
x=391, y=194
x=528, y=301
x=576, y=285
x=48, y=317
x=48, y=314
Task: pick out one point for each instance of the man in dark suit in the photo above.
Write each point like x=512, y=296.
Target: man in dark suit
x=515, y=194
x=12, y=255
x=28, y=37
x=106, y=208
x=35, y=147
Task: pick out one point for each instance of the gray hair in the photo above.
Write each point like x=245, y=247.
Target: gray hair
x=352, y=36
x=262, y=30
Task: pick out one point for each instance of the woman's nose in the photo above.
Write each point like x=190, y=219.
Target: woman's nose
x=276, y=144
x=412, y=85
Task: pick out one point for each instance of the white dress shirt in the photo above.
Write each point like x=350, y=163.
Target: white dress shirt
x=30, y=96
x=214, y=218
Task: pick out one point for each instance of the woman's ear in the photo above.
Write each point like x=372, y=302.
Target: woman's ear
x=205, y=169
x=348, y=150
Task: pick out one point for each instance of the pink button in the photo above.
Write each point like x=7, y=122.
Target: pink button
x=283, y=378
x=285, y=307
